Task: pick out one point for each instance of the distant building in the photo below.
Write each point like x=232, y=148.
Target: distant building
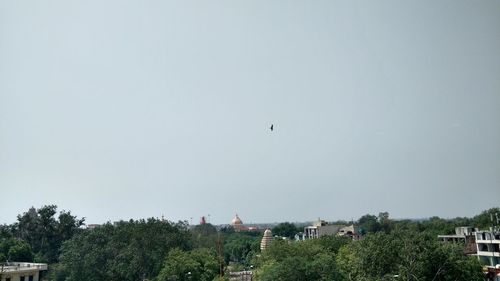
x=237, y=224
x=320, y=228
x=460, y=235
x=22, y=271
x=349, y=231
x=92, y=226
x=488, y=247
x=266, y=240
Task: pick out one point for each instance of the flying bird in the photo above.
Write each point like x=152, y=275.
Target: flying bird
x=272, y=127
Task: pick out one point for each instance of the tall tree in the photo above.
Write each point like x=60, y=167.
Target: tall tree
x=308, y=260
x=286, y=229
x=13, y=249
x=125, y=251
x=199, y=264
x=368, y=224
x=44, y=233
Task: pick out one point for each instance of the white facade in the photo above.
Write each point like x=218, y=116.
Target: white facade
x=21, y=271
x=320, y=228
x=488, y=247
x=461, y=234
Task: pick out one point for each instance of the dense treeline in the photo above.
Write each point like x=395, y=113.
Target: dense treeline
x=38, y=235
x=122, y=251
x=434, y=225
x=400, y=255
x=161, y=250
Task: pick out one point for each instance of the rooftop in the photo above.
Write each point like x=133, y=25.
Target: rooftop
x=22, y=267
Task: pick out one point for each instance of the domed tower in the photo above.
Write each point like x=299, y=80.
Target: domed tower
x=266, y=240
x=237, y=223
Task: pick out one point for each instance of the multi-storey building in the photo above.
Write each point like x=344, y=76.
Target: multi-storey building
x=488, y=247
x=22, y=271
x=465, y=235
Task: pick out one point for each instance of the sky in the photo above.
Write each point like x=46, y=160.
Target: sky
x=135, y=109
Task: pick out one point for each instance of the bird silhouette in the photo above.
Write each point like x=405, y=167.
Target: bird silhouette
x=272, y=127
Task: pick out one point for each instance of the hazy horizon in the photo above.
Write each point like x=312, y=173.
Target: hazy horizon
x=127, y=109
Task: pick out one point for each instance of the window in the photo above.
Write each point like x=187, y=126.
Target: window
x=30, y=278
x=22, y=278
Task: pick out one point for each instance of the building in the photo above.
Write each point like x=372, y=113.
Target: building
x=460, y=235
x=320, y=228
x=203, y=220
x=237, y=224
x=22, y=271
x=266, y=239
x=348, y=231
x=464, y=235
x=92, y=226
x=488, y=247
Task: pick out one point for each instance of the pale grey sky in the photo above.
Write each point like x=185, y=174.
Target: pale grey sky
x=132, y=109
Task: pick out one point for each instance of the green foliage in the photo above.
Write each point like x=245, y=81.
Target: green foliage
x=20, y=252
x=332, y=243
x=240, y=247
x=378, y=254
x=199, y=264
x=368, y=224
x=44, y=233
x=136, y=250
x=5, y=232
x=124, y=251
x=309, y=260
x=204, y=236
x=424, y=258
x=434, y=225
x=15, y=250
x=385, y=222
x=57, y=272
x=286, y=229
x=483, y=220
x=409, y=255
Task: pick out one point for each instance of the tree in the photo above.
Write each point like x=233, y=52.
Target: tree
x=286, y=229
x=422, y=257
x=57, y=272
x=332, y=243
x=44, y=233
x=484, y=220
x=20, y=251
x=125, y=251
x=5, y=232
x=204, y=236
x=307, y=260
x=238, y=246
x=13, y=249
x=385, y=222
x=368, y=224
x=408, y=255
x=199, y=264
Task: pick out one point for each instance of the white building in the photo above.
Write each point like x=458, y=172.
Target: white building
x=461, y=234
x=488, y=247
x=22, y=271
x=320, y=228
